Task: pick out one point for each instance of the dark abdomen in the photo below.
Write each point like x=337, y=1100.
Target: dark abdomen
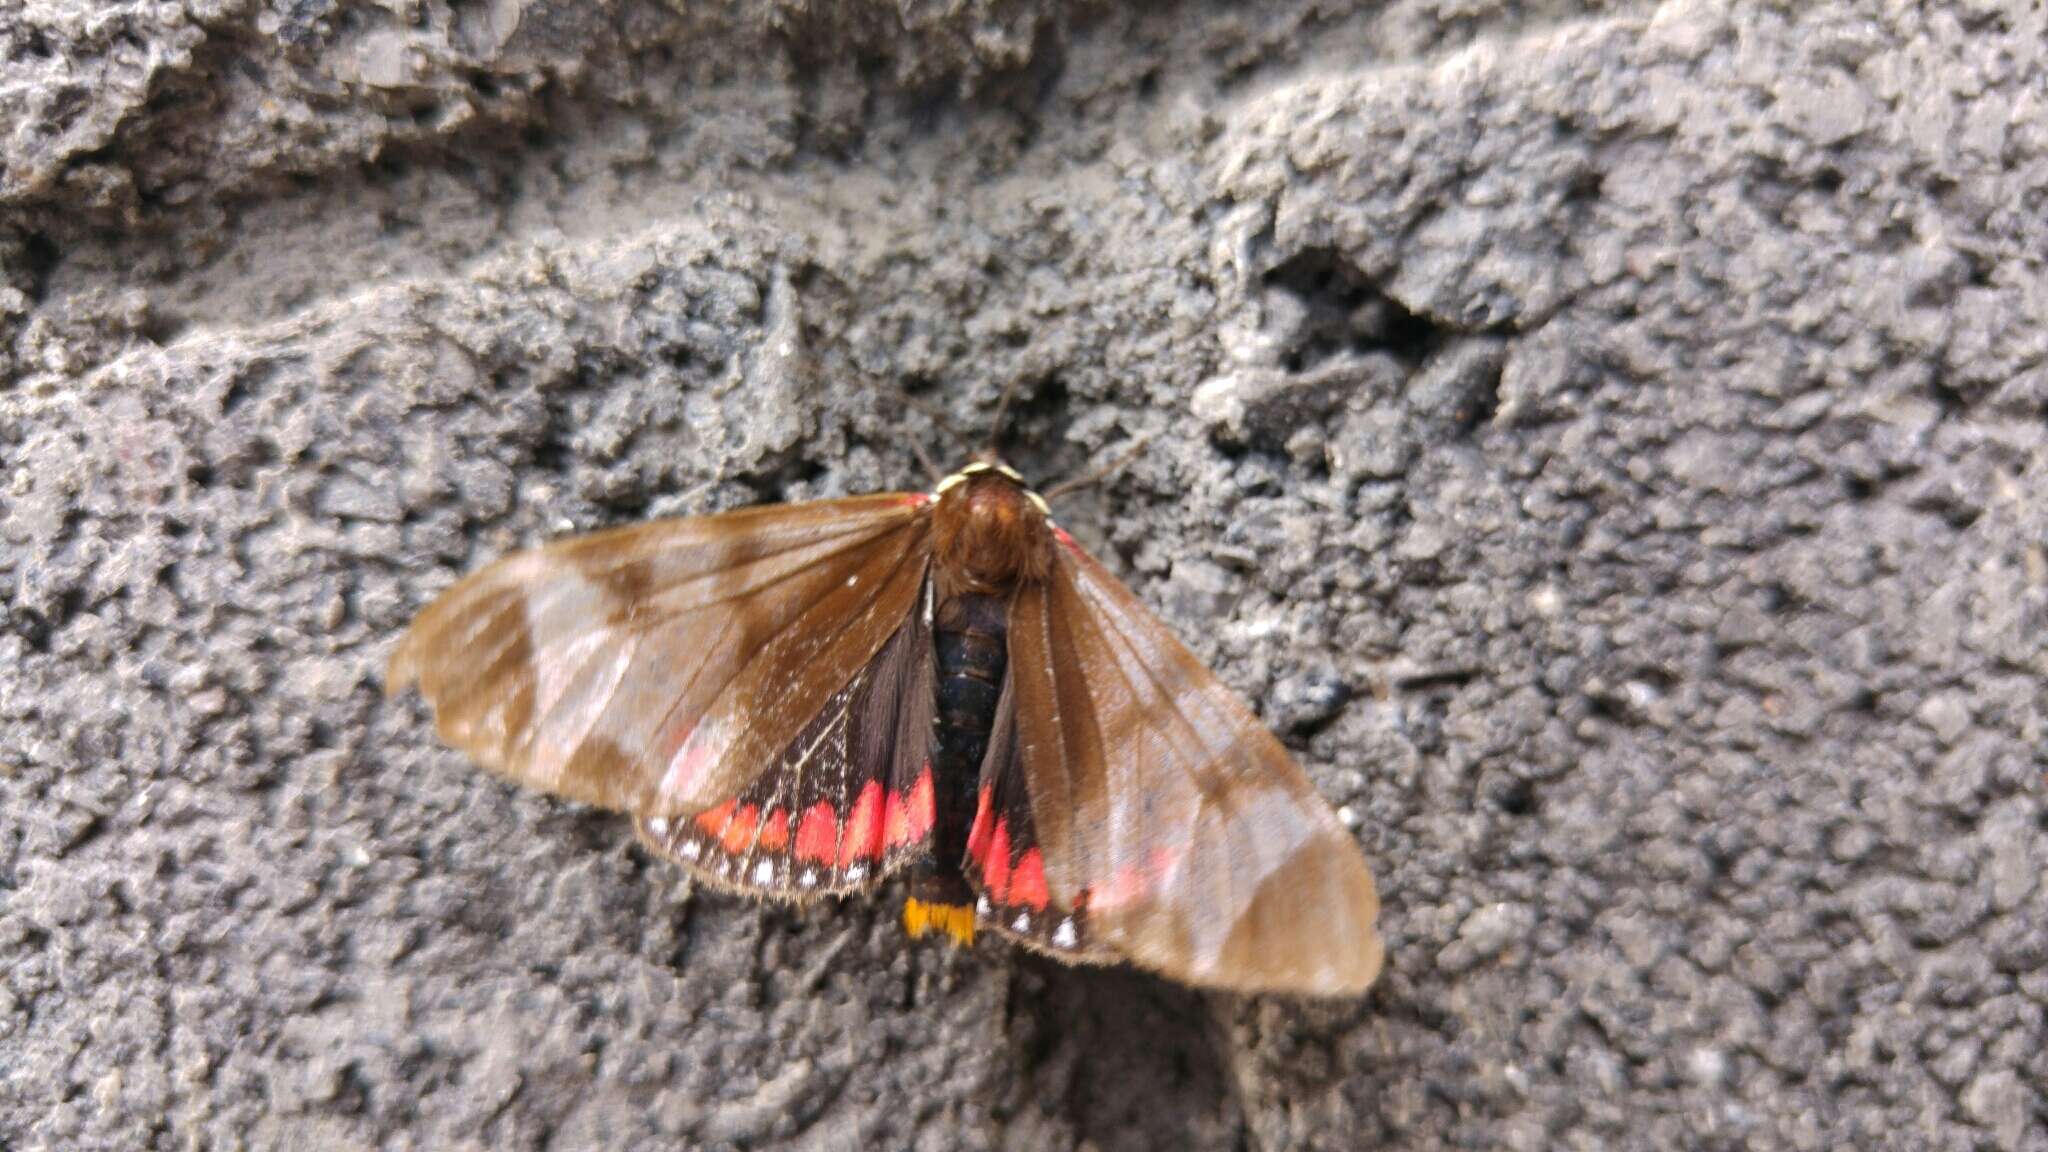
x=970, y=635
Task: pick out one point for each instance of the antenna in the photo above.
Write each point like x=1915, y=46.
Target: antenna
x=939, y=421
x=995, y=426
x=1077, y=483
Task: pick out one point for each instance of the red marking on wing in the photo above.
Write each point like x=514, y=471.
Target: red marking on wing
x=740, y=832
x=817, y=836
x=977, y=839
x=924, y=807
x=863, y=826
x=995, y=871
x=895, y=821
x=1027, y=882
x=917, y=499
x=910, y=818
x=714, y=821
x=775, y=832
x=1066, y=541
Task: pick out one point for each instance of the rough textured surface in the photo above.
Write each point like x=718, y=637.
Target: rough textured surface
x=1609, y=442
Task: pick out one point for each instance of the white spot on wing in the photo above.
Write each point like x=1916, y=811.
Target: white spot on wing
x=809, y=879
x=1022, y=923
x=981, y=907
x=691, y=849
x=854, y=874
x=1064, y=936
x=764, y=872
x=658, y=826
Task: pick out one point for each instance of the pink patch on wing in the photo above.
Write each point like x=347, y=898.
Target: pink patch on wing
x=699, y=751
x=1066, y=541
x=1124, y=888
x=863, y=839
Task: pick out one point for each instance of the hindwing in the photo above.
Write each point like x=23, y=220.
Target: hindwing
x=846, y=803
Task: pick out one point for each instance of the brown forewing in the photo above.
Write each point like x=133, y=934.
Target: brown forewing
x=1167, y=811
x=658, y=668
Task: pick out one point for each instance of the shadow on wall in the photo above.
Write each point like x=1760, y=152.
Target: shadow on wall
x=1121, y=1059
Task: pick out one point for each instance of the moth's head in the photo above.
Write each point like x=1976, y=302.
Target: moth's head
x=991, y=529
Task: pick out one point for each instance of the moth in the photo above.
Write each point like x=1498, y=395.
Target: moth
x=804, y=700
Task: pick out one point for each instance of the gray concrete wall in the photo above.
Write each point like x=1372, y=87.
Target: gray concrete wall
x=1608, y=441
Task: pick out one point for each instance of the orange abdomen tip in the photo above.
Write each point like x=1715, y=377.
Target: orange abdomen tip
x=955, y=920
